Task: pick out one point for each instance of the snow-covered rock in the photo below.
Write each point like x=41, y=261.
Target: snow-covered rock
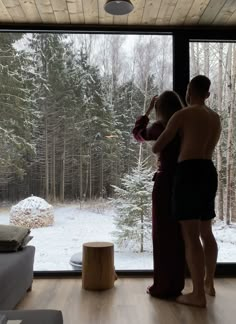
x=32, y=212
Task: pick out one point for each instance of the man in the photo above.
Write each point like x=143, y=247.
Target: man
x=195, y=186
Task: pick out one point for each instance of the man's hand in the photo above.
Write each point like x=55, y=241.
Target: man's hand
x=151, y=106
x=169, y=133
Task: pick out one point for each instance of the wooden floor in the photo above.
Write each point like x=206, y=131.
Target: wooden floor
x=128, y=303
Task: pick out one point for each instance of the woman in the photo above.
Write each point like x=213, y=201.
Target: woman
x=168, y=246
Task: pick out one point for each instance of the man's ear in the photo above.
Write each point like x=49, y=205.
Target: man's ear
x=208, y=95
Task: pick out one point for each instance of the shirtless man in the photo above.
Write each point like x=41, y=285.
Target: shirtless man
x=195, y=186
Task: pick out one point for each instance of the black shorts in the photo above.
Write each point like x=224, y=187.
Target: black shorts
x=194, y=190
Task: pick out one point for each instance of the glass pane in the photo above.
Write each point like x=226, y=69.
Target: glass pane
x=68, y=104
x=218, y=61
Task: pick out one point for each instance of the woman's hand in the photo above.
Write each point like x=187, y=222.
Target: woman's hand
x=151, y=106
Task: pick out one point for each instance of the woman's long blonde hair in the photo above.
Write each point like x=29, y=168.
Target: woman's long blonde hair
x=167, y=104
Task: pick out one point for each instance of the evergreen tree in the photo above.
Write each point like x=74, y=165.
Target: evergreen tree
x=16, y=113
x=53, y=97
x=133, y=203
x=91, y=124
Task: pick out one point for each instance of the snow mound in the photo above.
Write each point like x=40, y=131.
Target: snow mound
x=32, y=212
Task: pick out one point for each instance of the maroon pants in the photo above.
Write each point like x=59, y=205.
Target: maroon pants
x=168, y=244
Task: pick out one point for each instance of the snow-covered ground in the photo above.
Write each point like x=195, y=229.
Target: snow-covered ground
x=75, y=225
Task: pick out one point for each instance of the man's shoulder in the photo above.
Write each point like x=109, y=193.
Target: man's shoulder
x=183, y=111
x=214, y=113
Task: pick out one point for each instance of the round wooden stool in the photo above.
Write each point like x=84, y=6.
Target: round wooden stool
x=98, y=266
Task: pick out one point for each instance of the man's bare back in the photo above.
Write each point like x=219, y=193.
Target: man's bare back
x=200, y=130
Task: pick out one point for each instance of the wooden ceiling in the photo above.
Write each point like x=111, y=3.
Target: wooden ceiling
x=145, y=13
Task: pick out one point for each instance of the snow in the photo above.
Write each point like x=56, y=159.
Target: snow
x=226, y=240
x=33, y=203
x=74, y=226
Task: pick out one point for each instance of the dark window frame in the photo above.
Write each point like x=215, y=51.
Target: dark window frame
x=181, y=62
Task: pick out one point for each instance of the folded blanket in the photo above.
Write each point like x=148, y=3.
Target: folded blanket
x=12, y=237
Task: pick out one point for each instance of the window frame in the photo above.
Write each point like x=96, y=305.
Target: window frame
x=181, y=36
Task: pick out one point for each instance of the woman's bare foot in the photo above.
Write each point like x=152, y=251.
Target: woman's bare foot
x=209, y=289
x=192, y=300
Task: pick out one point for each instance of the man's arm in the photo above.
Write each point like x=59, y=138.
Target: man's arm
x=169, y=133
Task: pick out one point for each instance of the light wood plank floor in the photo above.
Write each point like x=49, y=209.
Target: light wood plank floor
x=128, y=303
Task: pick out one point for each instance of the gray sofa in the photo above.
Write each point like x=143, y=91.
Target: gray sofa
x=16, y=276
x=42, y=316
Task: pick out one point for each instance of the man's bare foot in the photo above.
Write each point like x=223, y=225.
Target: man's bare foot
x=192, y=300
x=209, y=289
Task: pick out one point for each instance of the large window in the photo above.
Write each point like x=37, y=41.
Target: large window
x=68, y=104
x=218, y=61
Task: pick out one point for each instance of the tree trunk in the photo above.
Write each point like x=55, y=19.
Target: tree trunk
x=62, y=184
x=232, y=167
x=102, y=180
x=53, y=168
x=90, y=172
x=80, y=172
x=206, y=59
x=98, y=271
x=233, y=200
x=140, y=156
x=46, y=160
x=87, y=180
x=220, y=196
x=141, y=236
x=229, y=137
x=193, y=59
x=73, y=186
x=197, y=59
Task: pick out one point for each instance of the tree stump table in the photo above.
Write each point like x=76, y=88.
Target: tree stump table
x=98, y=266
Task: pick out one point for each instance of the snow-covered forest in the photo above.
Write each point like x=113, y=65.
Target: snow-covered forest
x=68, y=105
x=218, y=61
x=69, y=102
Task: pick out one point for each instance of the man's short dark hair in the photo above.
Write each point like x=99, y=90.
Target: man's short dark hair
x=200, y=85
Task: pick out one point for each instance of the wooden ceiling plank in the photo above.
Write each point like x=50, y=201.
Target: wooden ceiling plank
x=76, y=12
x=146, y=12
x=4, y=14
x=62, y=17
x=90, y=11
x=31, y=11
x=225, y=13
x=232, y=20
x=196, y=11
x=211, y=12
x=15, y=11
x=181, y=11
x=135, y=17
x=121, y=20
x=46, y=11
x=60, y=11
x=103, y=16
x=150, y=13
x=165, y=12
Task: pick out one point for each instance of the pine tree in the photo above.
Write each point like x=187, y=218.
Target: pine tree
x=16, y=113
x=133, y=206
x=54, y=99
x=90, y=125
